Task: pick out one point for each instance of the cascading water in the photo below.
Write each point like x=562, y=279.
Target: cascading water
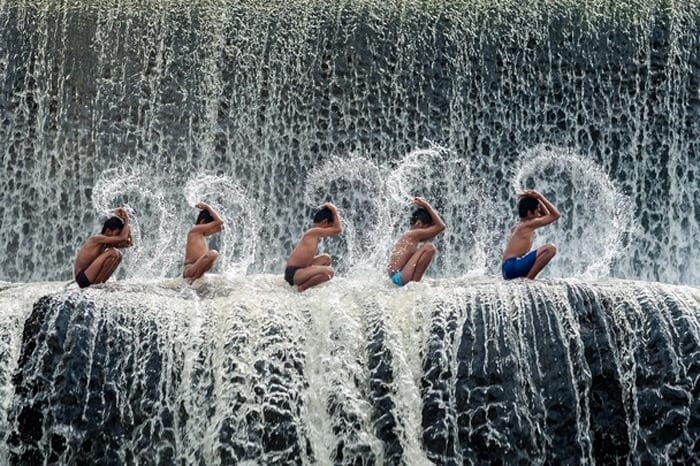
x=267, y=109
x=266, y=95
x=451, y=371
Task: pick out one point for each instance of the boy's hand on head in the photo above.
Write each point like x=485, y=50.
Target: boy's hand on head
x=121, y=213
x=420, y=201
x=529, y=193
x=127, y=243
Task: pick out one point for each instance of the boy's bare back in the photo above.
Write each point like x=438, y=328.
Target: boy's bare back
x=522, y=237
x=405, y=247
x=198, y=258
x=196, y=247
x=306, y=249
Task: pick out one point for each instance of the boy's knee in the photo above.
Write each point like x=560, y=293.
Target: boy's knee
x=213, y=254
x=114, y=254
x=430, y=247
x=550, y=249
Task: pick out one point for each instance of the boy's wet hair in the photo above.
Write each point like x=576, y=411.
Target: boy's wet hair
x=323, y=214
x=112, y=223
x=527, y=204
x=205, y=216
x=422, y=215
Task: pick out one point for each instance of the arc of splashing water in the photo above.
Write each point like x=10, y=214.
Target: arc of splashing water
x=364, y=236
x=391, y=190
x=239, y=227
x=111, y=186
x=612, y=244
x=413, y=162
x=460, y=201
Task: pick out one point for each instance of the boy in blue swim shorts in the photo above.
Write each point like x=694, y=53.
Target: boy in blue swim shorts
x=408, y=261
x=519, y=260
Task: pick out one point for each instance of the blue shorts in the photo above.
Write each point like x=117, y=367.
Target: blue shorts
x=396, y=278
x=517, y=267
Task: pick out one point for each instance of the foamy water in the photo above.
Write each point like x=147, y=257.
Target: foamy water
x=246, y=369
x=266, y=110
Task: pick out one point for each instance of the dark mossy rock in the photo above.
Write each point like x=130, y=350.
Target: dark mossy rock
x=73, y=375
x=103, y=384
x=508, y=374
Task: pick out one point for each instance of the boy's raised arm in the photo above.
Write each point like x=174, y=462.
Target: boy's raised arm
x=123, y=239
x=438, y=225
x=126, y=230
x=211, y=210
x=333, y=230
x=551, y=212
x=211, y=227
x=337, y=227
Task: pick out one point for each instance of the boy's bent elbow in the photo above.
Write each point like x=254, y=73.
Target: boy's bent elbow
x=436, y=230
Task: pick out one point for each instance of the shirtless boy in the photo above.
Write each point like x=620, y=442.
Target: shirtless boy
x=99, y=258
x=198, y=257
x=408, y=261
x=304, y=268
x=535, y=211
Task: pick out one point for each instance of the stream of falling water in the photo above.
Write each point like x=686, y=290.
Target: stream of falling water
x=279, y=106
x=266, y=110
x=446, y=371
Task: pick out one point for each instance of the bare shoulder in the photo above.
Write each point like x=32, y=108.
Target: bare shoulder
x=312, y=233
x=95, y=239
x=308, y=237
x=409, y=237
x=523, y=226
x=90, y=246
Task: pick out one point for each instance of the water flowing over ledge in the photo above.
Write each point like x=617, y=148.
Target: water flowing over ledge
x=355, y=372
